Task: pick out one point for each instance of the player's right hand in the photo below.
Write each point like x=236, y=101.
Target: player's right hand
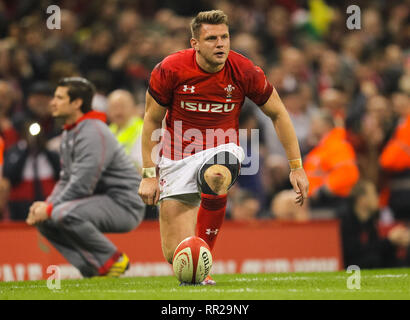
x=149, y=191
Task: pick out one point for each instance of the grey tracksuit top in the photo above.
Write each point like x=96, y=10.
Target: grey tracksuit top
x=93, y=162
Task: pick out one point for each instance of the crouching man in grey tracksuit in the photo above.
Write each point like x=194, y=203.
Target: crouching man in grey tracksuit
x=97, y=191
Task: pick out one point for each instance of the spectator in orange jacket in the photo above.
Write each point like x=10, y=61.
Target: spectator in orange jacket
x=395, y=160
x=331, y=165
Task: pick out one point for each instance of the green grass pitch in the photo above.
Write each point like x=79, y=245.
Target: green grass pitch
x=383, y=284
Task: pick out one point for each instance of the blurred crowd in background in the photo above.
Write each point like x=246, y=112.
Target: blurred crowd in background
x=347, y=92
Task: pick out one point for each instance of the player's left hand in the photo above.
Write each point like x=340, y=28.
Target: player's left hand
x=37, y=213
x=300, y=184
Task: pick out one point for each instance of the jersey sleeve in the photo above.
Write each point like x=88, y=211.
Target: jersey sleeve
x=258, y=87
x=161, y=84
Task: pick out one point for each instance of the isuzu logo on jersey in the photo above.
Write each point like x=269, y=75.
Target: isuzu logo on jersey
x=207, y=107
x=186, y=88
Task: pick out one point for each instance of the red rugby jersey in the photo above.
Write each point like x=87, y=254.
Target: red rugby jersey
x=203, y=108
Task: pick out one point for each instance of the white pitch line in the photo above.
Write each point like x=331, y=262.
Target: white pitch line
x=275, y=279
x=388, y=275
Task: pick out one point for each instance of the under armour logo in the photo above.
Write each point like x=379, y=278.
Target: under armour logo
x=209, y=231
x=186, y=88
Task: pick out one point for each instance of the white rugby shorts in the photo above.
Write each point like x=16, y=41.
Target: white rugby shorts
x=180, y=177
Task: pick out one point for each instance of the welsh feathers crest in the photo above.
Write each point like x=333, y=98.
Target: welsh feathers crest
x=229, y=88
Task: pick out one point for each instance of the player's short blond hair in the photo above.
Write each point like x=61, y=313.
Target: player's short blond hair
x=208, y=17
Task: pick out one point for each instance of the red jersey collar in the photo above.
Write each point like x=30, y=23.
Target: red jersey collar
x=89, y=115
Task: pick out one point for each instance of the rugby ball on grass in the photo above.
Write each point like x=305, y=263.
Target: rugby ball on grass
x=192, y=260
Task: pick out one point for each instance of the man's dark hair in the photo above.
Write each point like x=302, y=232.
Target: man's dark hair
x=79, y=88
